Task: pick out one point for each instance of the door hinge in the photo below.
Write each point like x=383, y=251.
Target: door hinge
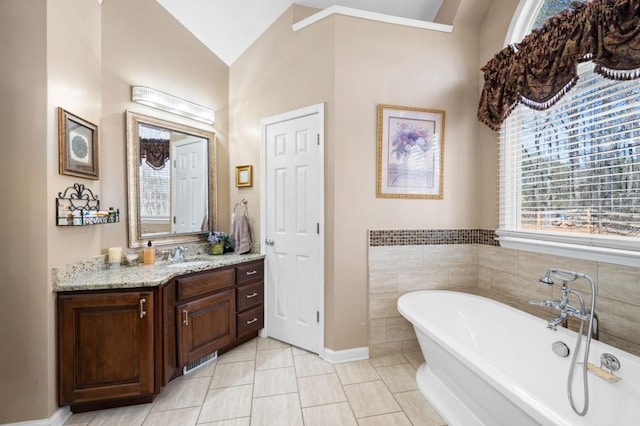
x=318, y=316
x=318, y=228
x=318, y=138
x=174, y=220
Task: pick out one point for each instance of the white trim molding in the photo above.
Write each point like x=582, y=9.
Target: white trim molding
x=372, y=16
x=616, y=250
x=346, y=355
x=57, y=419
x=522, y=20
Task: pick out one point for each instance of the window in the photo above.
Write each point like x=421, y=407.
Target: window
x=570, y=174
x=549, y=8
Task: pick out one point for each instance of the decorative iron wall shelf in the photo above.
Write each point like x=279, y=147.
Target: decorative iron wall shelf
x=77, y=206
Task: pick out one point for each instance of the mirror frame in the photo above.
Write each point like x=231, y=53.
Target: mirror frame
x=133, y=185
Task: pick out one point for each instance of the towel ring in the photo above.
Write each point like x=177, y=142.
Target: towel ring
x=242, y=203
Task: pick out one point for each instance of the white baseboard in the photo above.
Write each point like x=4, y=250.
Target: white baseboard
x=347, y=355
x=57, y=419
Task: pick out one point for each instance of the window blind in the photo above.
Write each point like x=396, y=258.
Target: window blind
x=575, y=167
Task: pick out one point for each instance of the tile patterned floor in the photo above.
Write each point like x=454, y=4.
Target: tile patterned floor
x=270, y=383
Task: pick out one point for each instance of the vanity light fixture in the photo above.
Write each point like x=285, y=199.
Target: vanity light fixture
x=156, y=99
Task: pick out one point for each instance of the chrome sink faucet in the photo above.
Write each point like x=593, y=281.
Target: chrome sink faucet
x=178, y=255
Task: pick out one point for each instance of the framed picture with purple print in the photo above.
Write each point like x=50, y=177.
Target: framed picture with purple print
x=77, y=146
x=410, y=152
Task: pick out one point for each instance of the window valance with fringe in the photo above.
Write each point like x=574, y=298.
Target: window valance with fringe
x=540, y=69
x=155, y=152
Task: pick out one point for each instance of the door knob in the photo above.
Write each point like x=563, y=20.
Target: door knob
x=269, y=242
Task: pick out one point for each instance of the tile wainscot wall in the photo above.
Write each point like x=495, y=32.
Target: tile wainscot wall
x=401, y=261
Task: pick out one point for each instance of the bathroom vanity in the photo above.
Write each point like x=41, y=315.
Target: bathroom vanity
x=120, y=342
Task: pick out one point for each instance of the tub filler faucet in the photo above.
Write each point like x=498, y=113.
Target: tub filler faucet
x=583, y=314
x=563, y=306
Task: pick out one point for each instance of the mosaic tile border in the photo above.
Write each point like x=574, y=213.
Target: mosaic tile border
x=419, y=237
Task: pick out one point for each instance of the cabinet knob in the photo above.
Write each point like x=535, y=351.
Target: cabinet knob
x=250, y=296
x=252, y=272
x=143, y=313
x=252, y=321
x=185, y=317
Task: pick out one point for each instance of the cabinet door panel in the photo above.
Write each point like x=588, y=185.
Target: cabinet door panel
x=105, y=346
x=205, y=325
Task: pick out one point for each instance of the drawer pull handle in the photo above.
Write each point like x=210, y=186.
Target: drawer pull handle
x=143, y=313
x=252, y=272
x=185, y=317
x=250, y=296
x=252, y=321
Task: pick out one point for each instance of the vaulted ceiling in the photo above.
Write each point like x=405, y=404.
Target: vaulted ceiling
x=229, y=27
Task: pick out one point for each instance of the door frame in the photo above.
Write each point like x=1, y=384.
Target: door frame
x=264, y=123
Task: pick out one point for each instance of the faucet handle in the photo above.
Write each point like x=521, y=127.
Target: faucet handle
x=543, y=303
x=553, y=324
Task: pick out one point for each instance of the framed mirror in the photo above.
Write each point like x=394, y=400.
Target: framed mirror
x=171, y=181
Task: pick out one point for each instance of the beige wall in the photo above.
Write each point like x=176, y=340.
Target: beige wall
x=86, y=68
x=282, y=71
x=492, y=36
x=24, y=331
x=381, y=63
x=353, y=65
x=73, y=83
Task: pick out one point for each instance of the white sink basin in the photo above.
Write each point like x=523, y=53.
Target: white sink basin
x=188, y=264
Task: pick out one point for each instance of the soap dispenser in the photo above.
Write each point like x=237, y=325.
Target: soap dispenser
x=149, y=255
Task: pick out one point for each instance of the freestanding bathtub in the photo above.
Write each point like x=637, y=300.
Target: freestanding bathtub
x=490, y=364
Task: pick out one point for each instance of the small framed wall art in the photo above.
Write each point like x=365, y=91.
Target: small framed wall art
x=410, y=152
x=77, y=146
x=244, y=176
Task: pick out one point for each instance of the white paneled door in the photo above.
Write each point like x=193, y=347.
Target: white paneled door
x=189, y=182
x=293, y=215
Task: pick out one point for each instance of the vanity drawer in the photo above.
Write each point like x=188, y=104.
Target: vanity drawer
x=194, y=285
x=250, y=321
x=250, y=272
x=249, y=295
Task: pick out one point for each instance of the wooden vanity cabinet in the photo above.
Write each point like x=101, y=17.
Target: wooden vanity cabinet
x=119, y=347
x=106, y=347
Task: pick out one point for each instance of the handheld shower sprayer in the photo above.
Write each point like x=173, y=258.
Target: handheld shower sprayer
x=547, y=279
x=562, y=275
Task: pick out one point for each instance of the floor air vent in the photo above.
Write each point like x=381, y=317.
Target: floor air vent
x=199, y=363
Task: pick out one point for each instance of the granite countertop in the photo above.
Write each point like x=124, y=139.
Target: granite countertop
x=104, y=278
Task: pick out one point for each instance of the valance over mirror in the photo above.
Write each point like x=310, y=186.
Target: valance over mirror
x=543, y=66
